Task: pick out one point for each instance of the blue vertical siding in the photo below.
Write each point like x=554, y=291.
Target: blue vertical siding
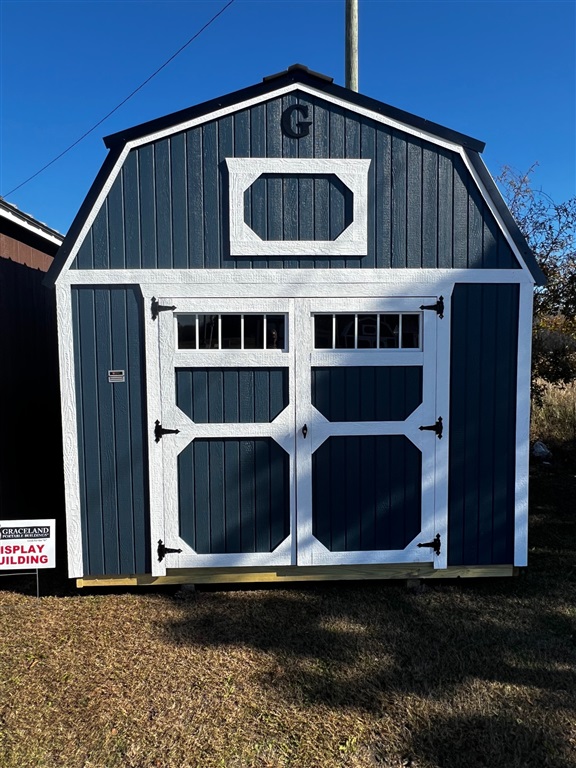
x=168, y=208
x=484, y=337
x=285, y=208
x=112, y=427
x=366, y=493
x=234, y=495
x=367, y=393
x=232, y=395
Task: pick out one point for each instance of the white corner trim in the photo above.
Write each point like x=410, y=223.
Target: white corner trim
x=523, y=426
x=69, y=432
x=243, y=172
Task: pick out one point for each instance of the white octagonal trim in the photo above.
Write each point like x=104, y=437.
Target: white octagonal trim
x=243, y=172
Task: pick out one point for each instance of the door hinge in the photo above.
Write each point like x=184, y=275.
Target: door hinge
x=437, y=427
x=157, y=308
x=159, y=431
x=438, y=307
x=435, y=545
x=164, y=550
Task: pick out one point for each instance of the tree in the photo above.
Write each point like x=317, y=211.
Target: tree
x=550, y=230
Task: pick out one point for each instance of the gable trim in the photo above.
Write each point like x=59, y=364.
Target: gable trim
x=298, y=77
x=287, y=89
x=471, y=159
x=501, y=213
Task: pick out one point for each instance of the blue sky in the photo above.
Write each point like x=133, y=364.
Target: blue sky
x=502, y=71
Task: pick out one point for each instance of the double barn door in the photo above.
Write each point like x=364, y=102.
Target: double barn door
x=296, y=432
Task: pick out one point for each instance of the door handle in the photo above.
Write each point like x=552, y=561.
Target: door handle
x=304, y=430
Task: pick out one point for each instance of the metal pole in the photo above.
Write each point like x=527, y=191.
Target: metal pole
x=352, y=44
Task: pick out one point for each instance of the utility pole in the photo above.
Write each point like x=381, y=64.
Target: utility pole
x=352, y=44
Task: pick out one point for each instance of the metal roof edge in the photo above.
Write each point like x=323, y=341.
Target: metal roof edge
x=509, y=220
x=16, y=216
x=297, y=73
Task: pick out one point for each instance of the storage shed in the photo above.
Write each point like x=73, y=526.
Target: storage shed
x=294, y=328
x=29, y=388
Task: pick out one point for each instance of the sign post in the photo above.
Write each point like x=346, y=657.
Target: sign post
x=27, y=544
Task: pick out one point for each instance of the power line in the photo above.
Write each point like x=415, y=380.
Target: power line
x=117, y=107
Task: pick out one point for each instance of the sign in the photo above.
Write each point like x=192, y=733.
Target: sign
x=27, y=544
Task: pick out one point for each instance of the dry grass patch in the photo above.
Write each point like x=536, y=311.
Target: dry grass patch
x=474, y=674
x=554, y=418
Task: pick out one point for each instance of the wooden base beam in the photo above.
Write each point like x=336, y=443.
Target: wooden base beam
x=296, y=574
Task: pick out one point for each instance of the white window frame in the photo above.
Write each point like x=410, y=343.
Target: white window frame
x=243, y=172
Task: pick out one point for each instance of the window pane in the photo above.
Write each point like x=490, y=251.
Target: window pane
x=367, y=328
x=345, y=331
x=231, y=332
x=208, y=331
x=186, y=331
x=275, y=332
x=410, y=331
x=389, y=331
x=323, y=331
x=253, y=331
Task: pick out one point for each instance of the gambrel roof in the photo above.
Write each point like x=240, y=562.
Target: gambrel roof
x=299, y=80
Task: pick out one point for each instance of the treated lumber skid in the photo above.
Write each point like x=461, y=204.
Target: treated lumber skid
x=296, y=574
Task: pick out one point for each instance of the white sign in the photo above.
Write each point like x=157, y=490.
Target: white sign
x=27, y=544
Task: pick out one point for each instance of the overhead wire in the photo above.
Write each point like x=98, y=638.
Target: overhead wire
x=121, y=104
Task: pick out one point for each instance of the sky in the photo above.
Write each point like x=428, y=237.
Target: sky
x=502, y=71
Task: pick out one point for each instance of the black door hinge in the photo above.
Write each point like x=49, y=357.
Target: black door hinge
x=157, y=308
x=435, y=545
x=159, y=431
x=163, y=551
x=438, y=307
x=437, y=427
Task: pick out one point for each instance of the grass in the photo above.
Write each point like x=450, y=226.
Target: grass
x=474, y=674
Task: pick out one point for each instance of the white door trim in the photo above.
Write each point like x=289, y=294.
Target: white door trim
x=310, y=550
x=281, y=429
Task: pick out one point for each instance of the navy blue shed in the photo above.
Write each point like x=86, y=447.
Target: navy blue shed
x=294, y=328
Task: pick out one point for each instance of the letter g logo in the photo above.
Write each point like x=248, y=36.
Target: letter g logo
x=302, y=125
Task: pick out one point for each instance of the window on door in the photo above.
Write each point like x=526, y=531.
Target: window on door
x=367, y=331
x=231, y=331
